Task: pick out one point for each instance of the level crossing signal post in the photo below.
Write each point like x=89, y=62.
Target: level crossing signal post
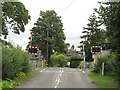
x=83, y=48
x=95, y=50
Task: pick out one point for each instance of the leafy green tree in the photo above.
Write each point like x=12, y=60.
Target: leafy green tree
x=14, y=17
x=68, y=45
x=72, y=47
x=48, y=33
x=109, y=13
x=94, y=35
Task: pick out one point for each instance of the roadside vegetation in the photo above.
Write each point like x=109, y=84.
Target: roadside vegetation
x=58, y=60
x=103, y=30
x=48, y=30
x=110, y=77
x=15, y=62
x=15, y=66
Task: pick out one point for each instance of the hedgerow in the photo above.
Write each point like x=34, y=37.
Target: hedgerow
x=14, y=61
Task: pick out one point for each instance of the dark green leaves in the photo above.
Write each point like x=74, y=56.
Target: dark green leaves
x=49, y=28
x=15, y=17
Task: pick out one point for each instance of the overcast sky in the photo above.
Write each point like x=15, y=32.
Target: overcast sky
x=74, y=15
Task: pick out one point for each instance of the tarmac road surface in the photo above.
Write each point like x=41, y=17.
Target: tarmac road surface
x=58, y=78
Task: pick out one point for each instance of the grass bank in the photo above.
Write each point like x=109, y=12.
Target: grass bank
x=104, y=81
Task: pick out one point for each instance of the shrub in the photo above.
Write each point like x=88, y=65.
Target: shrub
x=58, y=60
x=14, y=60
x=20, y=75
x=110, y=64
x=7, y=84
x=81, y=64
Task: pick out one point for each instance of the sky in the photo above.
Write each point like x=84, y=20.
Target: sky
x=74, y=15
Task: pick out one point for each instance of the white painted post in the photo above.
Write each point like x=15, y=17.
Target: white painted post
x=84, y=56
x=102, y=69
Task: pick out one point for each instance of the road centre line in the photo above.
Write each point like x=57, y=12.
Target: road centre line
x=42, y=70
x=58, y=77
x=58, y=82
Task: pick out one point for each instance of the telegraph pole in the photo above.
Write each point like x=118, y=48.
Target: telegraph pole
x=47, y=48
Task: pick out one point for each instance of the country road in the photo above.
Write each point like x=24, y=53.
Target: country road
x=58, y=78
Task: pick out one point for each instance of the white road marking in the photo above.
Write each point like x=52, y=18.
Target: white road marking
x=55, y=86
x=80, y=69
x=36, y=69
x=83, y=71
x=57, y=81
x=43, y=70
x=60, y=74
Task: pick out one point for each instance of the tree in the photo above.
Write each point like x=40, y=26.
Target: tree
x=110, y=15
x=14, y=16
x=109, y=12
x=48, y=34
x=68, y=45
x=94, y=35
x=72, y=47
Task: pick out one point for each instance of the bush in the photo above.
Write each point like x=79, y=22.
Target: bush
x=8, y=83
x=81, y=64
x=14, y=61
x=58, y=60
x=110, y=64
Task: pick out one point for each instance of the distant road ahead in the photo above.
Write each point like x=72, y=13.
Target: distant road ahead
x=59, y=78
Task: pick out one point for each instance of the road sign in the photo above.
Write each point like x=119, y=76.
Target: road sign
x=33, y=50
x=96, y=49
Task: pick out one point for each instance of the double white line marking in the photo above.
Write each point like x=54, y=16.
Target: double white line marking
x=57, y=81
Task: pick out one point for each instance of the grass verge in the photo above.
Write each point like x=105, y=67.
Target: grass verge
x=103, y=81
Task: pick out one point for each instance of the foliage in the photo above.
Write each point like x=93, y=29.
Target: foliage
x=7, y=84
x=48, y=32
x=110, y=16
x=75, y=57
x=15, y=15
x=109, y=62
x=94, y=35
x=81, y=64
x=72, y=47
x=58, y=60
x=14, y=60
x=68, y=45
